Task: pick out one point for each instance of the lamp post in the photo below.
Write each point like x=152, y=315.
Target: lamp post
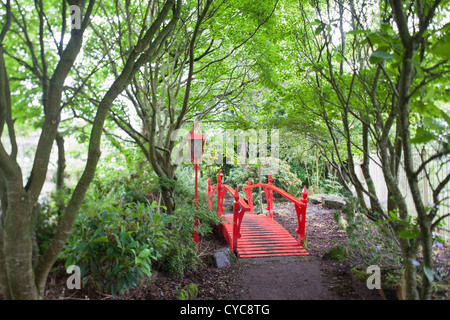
x=196, y=143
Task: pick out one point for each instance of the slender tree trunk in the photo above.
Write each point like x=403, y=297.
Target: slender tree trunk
x=61, y=162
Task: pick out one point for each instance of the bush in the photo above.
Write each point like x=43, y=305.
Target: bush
x=116, y=243
x=370, y=242
x=181, y=255
x=114, y=248
x=47, y=215
x=137, y=187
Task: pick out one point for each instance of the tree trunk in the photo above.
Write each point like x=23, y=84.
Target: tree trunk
x=61, y=162
x=17, y=245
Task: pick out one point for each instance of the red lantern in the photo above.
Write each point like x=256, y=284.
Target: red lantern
x=196, y=144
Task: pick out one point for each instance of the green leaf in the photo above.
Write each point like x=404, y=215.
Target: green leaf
x=385, y=26
x=378, y=56
x=407, y=235
x=102, y=239
x=422, y=136
x=144, y=253
x=119, y=243
x=93, y=266
x=428, y=273
x=377, y=39
x=356, y=32
x=70, y=261
x=446, y=117
x=442, y=49
x=82, y=246
x=133, y=244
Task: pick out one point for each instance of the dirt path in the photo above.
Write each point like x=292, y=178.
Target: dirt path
x=303, y=277
x=283, y=278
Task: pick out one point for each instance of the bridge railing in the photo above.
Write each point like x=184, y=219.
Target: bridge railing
x=240, y=206
x=299, y=204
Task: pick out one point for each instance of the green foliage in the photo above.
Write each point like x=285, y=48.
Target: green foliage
x=115, y=247
x=188, y=293
x=369, y=242
x=48, y=214
x=284, y=179
x=338, y=253
x=331, y=186
x=120, y=237
x=126, y=177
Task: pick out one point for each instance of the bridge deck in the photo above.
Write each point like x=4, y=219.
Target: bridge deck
x=261, y=236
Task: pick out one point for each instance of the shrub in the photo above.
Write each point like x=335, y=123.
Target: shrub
x=116, y=243
x=47, y=215
x=137, y=187
x=370, y=242
x=181, y=255
x=114, y=248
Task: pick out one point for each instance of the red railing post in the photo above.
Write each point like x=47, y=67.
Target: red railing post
x=269, y=195
x=220, y=194
x=236, y=223
x=249, y=194
x=210, y=205
x=301, y=217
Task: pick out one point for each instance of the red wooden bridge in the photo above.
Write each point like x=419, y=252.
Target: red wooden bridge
x=250, y=235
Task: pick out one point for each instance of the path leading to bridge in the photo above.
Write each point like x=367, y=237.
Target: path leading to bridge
x=284, y=278
x=298, y=277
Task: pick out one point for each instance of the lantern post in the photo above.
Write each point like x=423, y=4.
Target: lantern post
x=196, y=144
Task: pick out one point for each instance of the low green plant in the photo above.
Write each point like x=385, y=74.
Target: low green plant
x=116, y=241
x=181, y=255
x=115, y=247
x=189, y=293
x=369, y=242
x=47, y=215
x=331, y=186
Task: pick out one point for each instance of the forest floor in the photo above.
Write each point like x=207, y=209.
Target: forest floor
x=312, y=277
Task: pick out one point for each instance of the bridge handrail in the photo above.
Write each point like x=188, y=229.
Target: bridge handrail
x=238, y=214
x=239, y=206
x=299, y=204
x=278, y=190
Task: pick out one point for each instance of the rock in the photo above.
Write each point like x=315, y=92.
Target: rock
x=222, y=257
x=316, y=198
x=333, y=202
x=327, y=201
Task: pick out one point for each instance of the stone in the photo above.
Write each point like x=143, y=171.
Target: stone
x=222, y=257
x=316, y=198
x=333, y=202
